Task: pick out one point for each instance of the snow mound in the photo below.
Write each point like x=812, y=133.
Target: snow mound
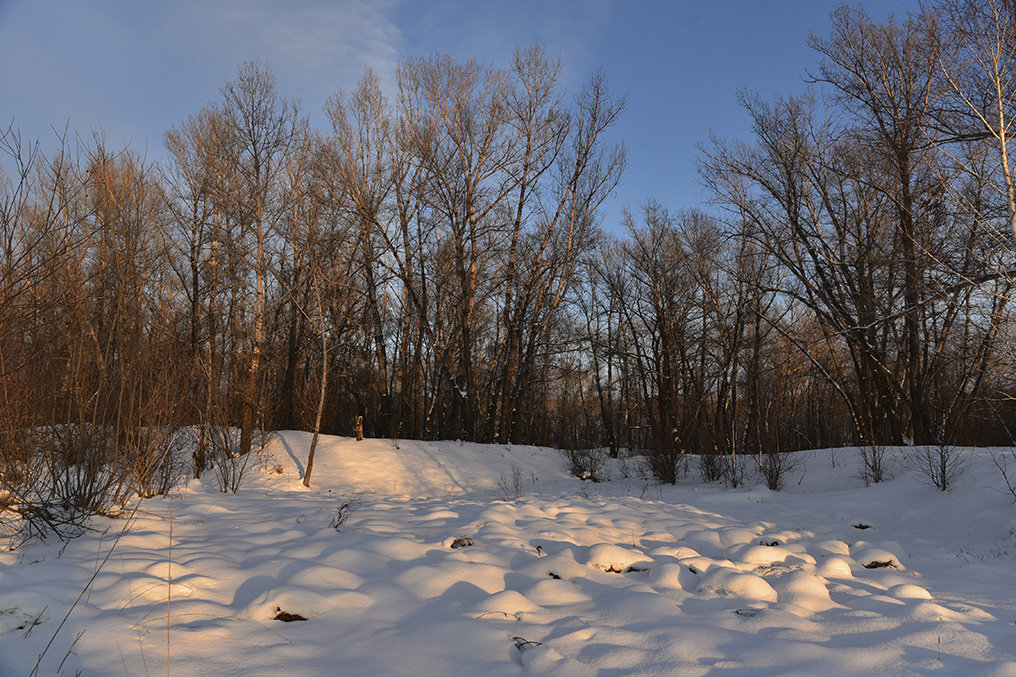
x=835, y=567
x=545, y=660
x=737, y=536
x=909, y=591
x=701, y=565
x=554, y=592
x=706, y=541
x=930, y=612
x=803, y=591
x=728, y=582
x=678, y=552
x=760, y=555
x=832, y=547
x=667, y=576
x=507, y=602
x=614, y=558
x=871, y=557
x=562, y=565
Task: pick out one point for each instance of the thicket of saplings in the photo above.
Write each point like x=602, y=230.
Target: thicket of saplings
x=435, y=263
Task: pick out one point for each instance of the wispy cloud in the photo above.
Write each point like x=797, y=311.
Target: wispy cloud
x=312, y=45
x=135, y=68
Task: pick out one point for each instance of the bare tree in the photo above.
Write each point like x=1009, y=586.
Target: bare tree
x=259, y=128
x=190, y=188
x=887, y=76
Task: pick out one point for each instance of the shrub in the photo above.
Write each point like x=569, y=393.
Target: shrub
x=1001, y=460
x=229, y=464
x=510, y=484
x=938, y=464
x=712, y=466
x=586, y=464
x=874, y=465
x=733, y=469
x=774, y=466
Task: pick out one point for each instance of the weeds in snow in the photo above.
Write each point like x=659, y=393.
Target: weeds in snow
x=510, y=484
x=342, y=513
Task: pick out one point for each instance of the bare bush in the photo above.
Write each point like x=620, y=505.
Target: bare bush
x=938, y=464
x=57, y=477
x=228, y=463
x=586, y=464
x=157, y=459
x=733, y=469
x=874, y=465
x=76, y=459
x=711, y=467
x=52, y=487
x=665, y=464
x=1002, y=459
x=774, y=466
x=510, y=484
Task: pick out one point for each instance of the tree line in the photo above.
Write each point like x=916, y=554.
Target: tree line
x=436, y=263
x=853, y=283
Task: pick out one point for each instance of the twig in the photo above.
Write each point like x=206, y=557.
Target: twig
x=523, y=644
x=98, y=551
x=70, y=650
x=35, y=621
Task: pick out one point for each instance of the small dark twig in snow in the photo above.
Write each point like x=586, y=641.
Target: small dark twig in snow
x=32, y=623
x=524, y=644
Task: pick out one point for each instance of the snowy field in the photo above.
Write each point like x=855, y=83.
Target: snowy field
x=430, y=571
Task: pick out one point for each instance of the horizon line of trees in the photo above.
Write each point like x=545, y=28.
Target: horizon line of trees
x=436, y=264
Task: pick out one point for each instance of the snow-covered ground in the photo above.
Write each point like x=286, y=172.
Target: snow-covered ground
x=433, y=572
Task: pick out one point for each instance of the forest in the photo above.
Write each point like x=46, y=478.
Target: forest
x=436, y=262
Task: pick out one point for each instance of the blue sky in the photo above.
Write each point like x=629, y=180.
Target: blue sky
x=134, y=68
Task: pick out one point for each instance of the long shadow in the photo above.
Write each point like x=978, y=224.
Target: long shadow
x=292, y=454
x=454, y=480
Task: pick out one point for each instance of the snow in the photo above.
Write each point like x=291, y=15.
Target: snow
x=458, y=558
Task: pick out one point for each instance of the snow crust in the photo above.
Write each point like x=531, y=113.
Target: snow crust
x=482, y=559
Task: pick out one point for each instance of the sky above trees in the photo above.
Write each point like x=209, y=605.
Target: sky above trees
x=131, y=70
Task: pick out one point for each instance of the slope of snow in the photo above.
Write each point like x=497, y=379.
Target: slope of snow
x=412, y=468
x=433, y=573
